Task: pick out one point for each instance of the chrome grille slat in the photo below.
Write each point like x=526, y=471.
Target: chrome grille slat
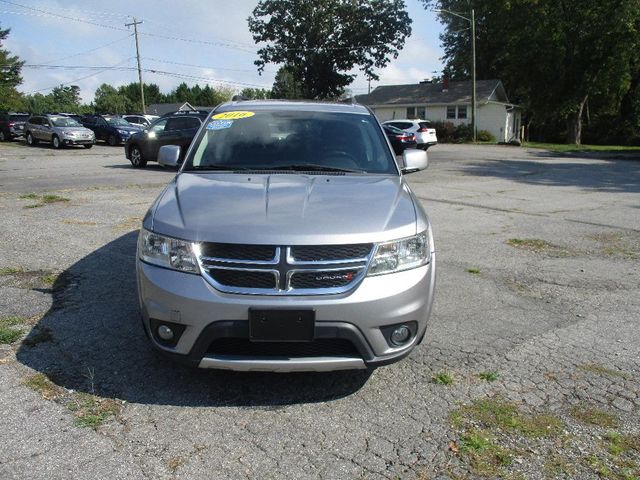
x=325, y=272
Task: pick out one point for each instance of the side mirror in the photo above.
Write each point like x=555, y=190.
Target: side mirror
x=414, y=160
x=169, y=155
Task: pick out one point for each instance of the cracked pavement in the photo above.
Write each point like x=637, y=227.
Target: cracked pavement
x=558, y=323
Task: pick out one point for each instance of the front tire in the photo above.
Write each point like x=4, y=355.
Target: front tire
x=136, y=157
x=88, y=146
x=112, y=140
x=30, y=140
x=55, y=141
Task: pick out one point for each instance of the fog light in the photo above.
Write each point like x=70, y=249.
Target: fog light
x=400, y=335
x=165, y=333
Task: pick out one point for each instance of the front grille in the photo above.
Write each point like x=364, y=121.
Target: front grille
x=284, y=270
x=322, y=279
x=239, y=252
x=244, y=278
x=322, y=347
x=317, y=253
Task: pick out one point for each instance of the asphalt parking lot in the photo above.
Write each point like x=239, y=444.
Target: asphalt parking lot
x=530, y=368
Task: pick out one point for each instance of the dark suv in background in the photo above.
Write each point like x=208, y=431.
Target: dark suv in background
x=12, y=125
x=110, y=128
x=176, y=128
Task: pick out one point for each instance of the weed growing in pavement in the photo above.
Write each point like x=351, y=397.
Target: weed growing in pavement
x=8, y=331
x=89, y=410
x=489, y=376
x=442, y=378
x=43, y=200
x=594, y=416
x=474, y=271
x=601, y=370
x=10, y=271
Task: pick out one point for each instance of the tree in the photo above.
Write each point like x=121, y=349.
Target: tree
x=286, y=86
x=256, y=93
x=10, y=77
x=555, y=56
x=320, y=41
x=108, y=99
x=66, y=98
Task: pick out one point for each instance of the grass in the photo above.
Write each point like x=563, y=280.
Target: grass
x=601, y=370
x=49, y=279
x=8, y=332
x=532, y=244
x=488, y=376
x=442, y=378
x=43, y=385
x=92, y=411
x=495, y=414
x=43, y=200
x=594, y=416
x=564, y=148
x=485, y=457
x=558, y=466
x=473, y=271
x=10, y=270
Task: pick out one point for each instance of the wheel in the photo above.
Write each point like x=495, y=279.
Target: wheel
x=88, y=146
x=112, y=140
x=3, y=137
x=55, y=141
x=31, y=140
x=135, y=155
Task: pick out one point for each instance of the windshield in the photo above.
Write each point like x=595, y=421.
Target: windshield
x=64, y=122
x=292, y=140
x=118, y=122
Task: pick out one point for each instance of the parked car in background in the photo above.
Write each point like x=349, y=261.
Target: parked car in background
x=110, y=128
x=177, y=128
x=424, y=131
x=58, y=130
x=12, y=125
x=265, y=252
x=400, y=140
x=141, y=120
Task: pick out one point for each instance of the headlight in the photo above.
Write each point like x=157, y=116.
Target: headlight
x=403, y=254
x=167, y=252
x=123, y=132
x=69, y=133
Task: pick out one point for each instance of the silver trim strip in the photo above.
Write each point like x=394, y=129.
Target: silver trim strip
x=281, y=364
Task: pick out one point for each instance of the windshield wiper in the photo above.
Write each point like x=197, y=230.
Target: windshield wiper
x=310, y=167
x=215, y=167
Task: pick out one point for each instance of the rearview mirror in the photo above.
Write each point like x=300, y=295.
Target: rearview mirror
x=414, y=160
x=169, y=155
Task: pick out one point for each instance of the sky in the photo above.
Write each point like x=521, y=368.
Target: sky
x=202, y=41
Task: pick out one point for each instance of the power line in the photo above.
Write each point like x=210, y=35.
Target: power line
x=81, y=78
x=89, y=51
x=205, y=67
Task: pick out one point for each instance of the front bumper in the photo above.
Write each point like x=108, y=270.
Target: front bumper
x=205, y=315
x=78, y=141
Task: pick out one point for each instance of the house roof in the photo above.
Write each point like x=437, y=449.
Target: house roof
x=425, y=93
x=164, y=108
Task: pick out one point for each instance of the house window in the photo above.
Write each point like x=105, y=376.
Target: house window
x=411, y=112
x=422, y=113
x=462, y=111
x=451, y=112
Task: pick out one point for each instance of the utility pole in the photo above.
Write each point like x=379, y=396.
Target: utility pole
x=369, y=84
x=135, y=24
x=474, y=111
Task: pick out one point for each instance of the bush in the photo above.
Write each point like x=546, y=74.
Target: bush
x=485, y=136
x=444, y=131
x=463, y=133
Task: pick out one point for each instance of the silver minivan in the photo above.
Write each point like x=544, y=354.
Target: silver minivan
x=59, y=130
x=288, y=241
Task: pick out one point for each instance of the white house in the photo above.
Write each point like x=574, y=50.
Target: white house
x=450, y=102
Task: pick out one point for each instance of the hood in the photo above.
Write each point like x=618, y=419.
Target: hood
x=75, y=129
x=129, y=128
x=285, y=209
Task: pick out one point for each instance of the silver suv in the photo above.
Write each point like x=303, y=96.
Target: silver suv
x=288, y=241
x=60, y=130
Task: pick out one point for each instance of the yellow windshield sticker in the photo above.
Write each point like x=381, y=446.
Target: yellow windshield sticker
x=232, y=115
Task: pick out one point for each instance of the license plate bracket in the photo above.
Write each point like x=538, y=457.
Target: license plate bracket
x=281, y=325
